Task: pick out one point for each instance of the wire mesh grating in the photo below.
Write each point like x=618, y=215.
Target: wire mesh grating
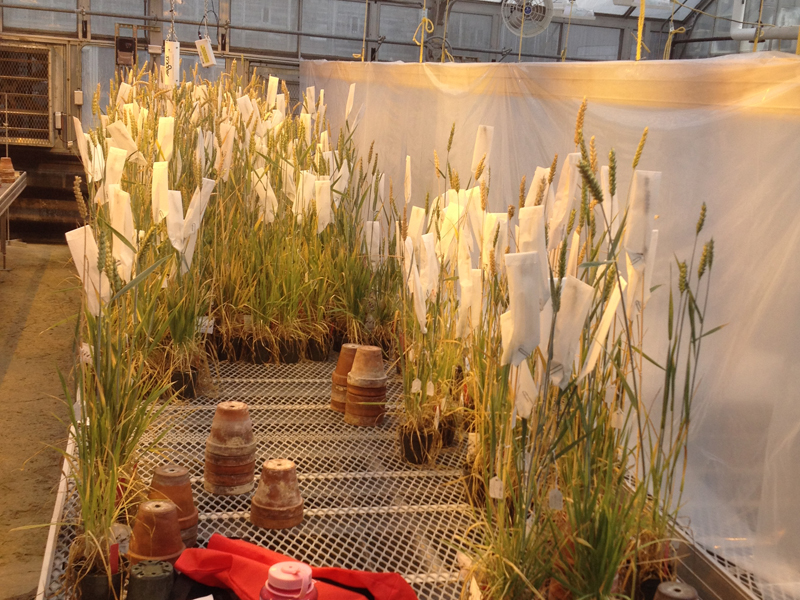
x=365, y=508
x=25, y=116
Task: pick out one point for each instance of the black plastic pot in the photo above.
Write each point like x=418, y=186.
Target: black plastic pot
x=185, y=383
x=95, y=586
x=447, y=430
x=288, y=351
x=262, y=353
x=317, y=350
x=649, y=587
x=150, y=580
x=337, y=339
x=417, y=446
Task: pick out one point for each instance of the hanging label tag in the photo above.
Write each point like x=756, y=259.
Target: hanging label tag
x=207, y=58
x=431, y=389
x=436, y=419
x=464, y=564
x=442, y=403
x=528, y=461
x=496, y=488
x=416, y=386
x=530, y=522
x=472, y=443
x=617, y=419
x=205, y=325
x=411, y=355
x=85, y=353
x=248, y=320
x=474, y=590
x=556, y=499
x=513, y=416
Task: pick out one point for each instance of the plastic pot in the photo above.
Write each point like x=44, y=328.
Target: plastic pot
x=150, y=580
x=96, y=586
x=185, y=383
x=317, y=350
x=448, y=426
x=417, y=446
x=288, y=351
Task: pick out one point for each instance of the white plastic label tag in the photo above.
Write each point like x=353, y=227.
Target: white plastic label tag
x=496, y=488
x=85, y=353
x=556, y=499
x=431, y=389
x=617, y=419
x=472, y=443
x=248, y=320
x=529, y=523
x=207, y=58
x=205, y=325
x=416, y=386
x=436, y=419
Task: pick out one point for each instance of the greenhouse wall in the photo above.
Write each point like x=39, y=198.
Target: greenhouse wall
x=721, y=132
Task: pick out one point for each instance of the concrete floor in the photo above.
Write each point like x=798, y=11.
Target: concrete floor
x=38, y=292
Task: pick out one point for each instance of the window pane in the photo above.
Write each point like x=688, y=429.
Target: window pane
x=104, y=26
x=276, y=14
x=190, y=10
x=599, y=43
x=42, y=20
x=398, y=23
x=544, y=45
x=337, y=17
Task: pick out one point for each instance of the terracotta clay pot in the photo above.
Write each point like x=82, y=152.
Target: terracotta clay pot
x=344, y=364
x=230, y=451
x=277, y=503
x=338, y=397
x=339, y=377
x=156, y=533
x=7, y=173
x=675, y=590
x=171, y=482
x=364, y=411
x=368, y=370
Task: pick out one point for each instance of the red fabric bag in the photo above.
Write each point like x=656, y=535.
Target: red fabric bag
x=243, y=567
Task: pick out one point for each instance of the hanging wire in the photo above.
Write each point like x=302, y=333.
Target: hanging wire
x=204, y=22
x=702, y=12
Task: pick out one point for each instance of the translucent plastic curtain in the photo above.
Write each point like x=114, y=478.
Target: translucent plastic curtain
x=724, y=131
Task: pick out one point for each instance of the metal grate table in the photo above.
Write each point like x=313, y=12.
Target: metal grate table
x=364, y=507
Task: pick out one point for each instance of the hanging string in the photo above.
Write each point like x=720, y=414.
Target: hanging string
x=205, y=18
x=672, y=33
x=425, y=26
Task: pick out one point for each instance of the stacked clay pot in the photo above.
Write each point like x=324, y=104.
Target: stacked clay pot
x=7, y=173
x=230, y=451
x=339, y=377
x=366, y=388
x=156, y=533
x=675, y=590
x=171, y=482
x=277, y=503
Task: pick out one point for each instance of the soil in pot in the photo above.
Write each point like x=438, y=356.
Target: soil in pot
x=185, y=383
x=417, y=447
x=317, y=350
x=262, y=353
x=239, y=349
x=95, y=586
x=337, y=339
x=448, y=426
x=288, y=351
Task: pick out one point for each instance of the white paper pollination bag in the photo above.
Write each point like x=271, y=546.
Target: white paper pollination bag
x=520, y=332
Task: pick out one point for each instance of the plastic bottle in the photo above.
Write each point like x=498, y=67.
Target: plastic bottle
x=289, y=581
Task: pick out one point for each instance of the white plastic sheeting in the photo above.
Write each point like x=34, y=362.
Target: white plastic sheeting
x=724, y=131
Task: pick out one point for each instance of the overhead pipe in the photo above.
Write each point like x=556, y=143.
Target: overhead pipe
x=748, y=34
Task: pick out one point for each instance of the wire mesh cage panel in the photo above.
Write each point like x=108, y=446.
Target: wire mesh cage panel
x=365, y=508
x=25, y=95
